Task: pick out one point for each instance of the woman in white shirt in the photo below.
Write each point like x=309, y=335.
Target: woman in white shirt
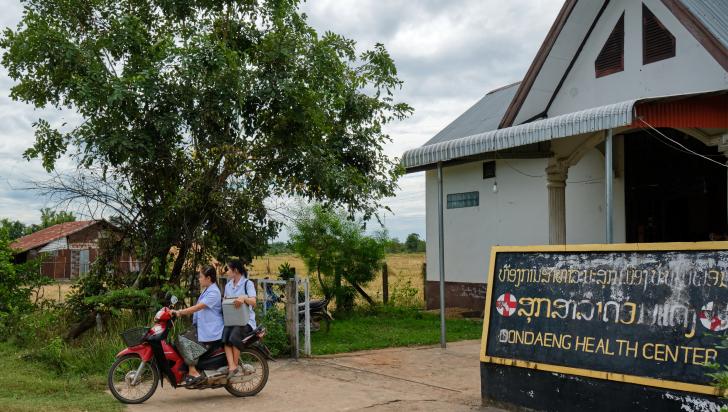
x=243, y=290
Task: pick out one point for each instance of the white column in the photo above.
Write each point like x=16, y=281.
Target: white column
x=608, y=185
x=556, y=184
x=441, y=241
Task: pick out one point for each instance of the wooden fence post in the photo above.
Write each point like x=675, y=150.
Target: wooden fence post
x=385, y=283
x=424, y=284
x=291, y=315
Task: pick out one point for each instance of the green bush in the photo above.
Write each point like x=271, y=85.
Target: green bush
x=18, y=282
x=404, y=295
x=276, y=338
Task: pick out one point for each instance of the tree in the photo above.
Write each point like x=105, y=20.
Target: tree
x=13, y=228
x=413, y=243
x=337, y=250
x=394, y=246
x=17, y=282
x=194, y=113
x=50, y=217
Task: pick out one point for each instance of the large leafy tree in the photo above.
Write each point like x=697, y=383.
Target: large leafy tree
x=195, y=112
x=336, y=249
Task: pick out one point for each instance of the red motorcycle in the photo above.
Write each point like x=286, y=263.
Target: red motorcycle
x=149, y=358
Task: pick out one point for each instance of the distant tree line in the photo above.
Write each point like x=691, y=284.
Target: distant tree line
x=413, y=244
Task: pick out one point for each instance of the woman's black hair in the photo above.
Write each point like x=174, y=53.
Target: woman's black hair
x=209, y=272
x=236, y=264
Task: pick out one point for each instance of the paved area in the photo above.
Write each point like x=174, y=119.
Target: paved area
x=411, y=379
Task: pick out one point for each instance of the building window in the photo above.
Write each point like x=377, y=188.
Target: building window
x=657, y=42
x=467, y=199
x=488, y=170
x=611, y=58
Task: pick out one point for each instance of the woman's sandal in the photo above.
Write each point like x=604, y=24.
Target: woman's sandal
x=192, y=380
x=233, y=372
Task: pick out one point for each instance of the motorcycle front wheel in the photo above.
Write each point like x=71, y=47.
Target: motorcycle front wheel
x=254, y=375
x=122, y=383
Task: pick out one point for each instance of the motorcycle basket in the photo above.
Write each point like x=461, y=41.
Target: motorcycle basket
x=133, y=336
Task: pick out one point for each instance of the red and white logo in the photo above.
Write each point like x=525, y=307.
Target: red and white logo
x=712, y=319
x=506, y=305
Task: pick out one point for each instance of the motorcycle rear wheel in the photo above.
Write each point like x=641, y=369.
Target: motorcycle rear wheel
x=121, y=373
x=253, y=382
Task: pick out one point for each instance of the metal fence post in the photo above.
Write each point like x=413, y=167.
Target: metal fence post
x=307, y=319
x=295, y=318
x=265, y=296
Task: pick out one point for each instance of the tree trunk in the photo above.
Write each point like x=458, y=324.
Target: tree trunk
x=88, y=322
x=179, y=263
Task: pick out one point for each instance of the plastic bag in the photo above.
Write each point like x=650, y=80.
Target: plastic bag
x=189, y=348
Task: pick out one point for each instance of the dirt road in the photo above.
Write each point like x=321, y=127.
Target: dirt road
x=411, y=379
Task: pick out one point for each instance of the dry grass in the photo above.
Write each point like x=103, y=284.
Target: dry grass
x=56, y=291
x=402, y=267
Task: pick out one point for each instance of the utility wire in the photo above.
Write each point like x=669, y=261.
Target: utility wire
x=682, y=146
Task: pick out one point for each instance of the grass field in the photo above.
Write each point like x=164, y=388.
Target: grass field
x=361, y=331
x=28, y=386
x=402, y=267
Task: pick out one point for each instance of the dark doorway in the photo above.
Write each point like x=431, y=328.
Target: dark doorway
x=670, y=194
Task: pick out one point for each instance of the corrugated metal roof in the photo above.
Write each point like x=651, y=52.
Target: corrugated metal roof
x=571, y=124
x=483, y=116
x=713, y=14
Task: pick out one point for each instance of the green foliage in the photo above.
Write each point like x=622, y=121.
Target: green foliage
x=393, y=245
x=125, y=298
x=14, y=228
x=719, y=373
x=18, y=282
x=286, y=271
x=49, y=217
x=193, y=113
x=278, y=248
x=276, y=338
x=414, y=244
x=337, y=251
x=404, y=295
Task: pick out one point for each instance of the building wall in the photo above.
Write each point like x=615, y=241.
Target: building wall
x=691, y=70
x=517, y=214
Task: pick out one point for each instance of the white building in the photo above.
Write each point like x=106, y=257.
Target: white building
x=526, y=164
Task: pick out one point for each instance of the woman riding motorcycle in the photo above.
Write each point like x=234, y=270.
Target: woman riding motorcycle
x=207, y=316
x=243, y=290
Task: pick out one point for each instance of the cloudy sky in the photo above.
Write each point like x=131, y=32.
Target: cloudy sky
x=448, y=52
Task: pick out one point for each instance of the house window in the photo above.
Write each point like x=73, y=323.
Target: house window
x=657, y=42
x=611, y=58
x=488, y=170
x=467, y=199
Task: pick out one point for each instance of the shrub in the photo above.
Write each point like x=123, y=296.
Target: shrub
x=18, y=282
x=276, y=339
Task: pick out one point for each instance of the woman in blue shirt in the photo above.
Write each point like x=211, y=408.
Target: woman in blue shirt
x=206, y=314
x=242, y=289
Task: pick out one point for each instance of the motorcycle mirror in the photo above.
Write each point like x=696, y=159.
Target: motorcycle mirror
x=173, y=300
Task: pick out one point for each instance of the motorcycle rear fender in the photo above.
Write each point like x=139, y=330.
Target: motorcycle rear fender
x=264, y=350
x=144, y=351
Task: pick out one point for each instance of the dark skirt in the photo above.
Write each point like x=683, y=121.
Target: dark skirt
x=233, y=335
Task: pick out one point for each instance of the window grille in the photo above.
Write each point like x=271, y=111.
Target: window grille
x=460, y=200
